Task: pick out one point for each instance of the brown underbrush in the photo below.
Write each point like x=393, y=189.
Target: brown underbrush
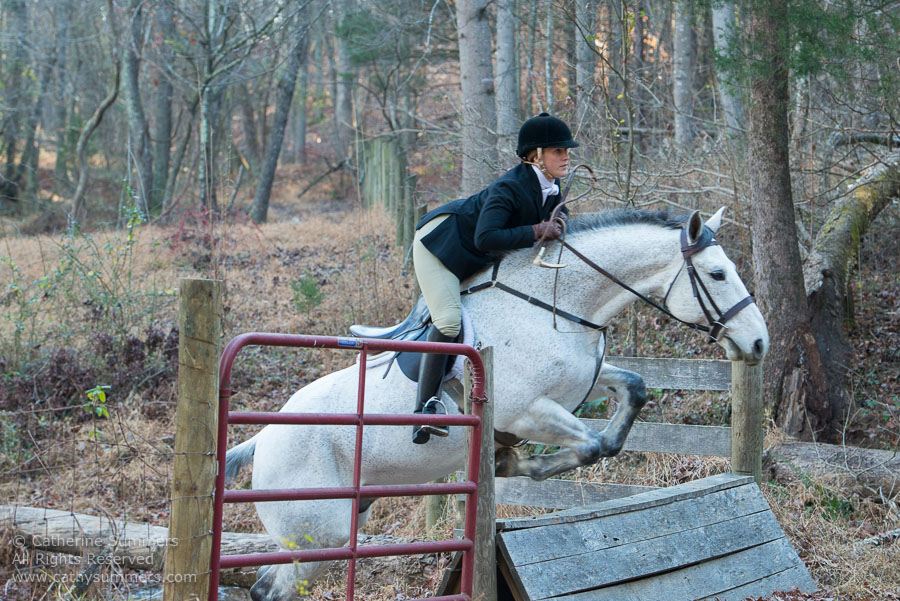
x=71, y=331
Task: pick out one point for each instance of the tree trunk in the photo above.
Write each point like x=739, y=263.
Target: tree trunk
x=661, y=78
x=529, y=61
x=637, y=72
x=617, y=49
x=682, y=76
x=346, y=80
x=137, y=121
x=827, y=276
x=142, y=546
x=14, y=104
x=704, y=69
x=175, y=168
x=321, y=74
x=300, y=116
x=64, y=101
x=866, y=472
x=585, y=59
x=28, y=165
x=793, y=369
x=87, y=131
x=549, y=35
x=507, y=88
x=249, y=140
x=163, y=135
x=283, y=97
x=477, y=79
x=573, y=36
x=723, y=35
x=207, y=148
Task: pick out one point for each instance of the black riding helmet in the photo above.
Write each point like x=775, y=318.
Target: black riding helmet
x=544, y=131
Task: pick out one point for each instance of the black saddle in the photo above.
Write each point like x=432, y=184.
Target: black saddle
x=414, y=327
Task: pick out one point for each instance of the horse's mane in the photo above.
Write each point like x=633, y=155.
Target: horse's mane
x=618, y=217
x=587, y=222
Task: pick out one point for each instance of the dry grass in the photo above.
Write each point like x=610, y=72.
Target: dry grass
x=827, y=534
x=353, y=259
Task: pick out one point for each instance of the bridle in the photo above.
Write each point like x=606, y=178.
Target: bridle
x=716, y=326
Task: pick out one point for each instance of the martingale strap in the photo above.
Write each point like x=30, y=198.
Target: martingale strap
x=495, y=283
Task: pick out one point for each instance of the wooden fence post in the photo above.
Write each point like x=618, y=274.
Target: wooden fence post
x=193, y=478
x=485, y=583
x=747, y=419
x=434, y=507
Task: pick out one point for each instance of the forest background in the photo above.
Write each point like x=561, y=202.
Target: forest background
x=288, y=147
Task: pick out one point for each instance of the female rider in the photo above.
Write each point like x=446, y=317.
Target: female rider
x=457, y=239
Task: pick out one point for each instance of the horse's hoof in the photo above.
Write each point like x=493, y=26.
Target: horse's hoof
x=260, y=591
x=506, y=460
x=608, y=449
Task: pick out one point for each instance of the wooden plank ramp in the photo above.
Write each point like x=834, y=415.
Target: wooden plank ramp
x=706, y=539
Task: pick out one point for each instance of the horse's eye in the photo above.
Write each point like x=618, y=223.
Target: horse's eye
x=719, y=276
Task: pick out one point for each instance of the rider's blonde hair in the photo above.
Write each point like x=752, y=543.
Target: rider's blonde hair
x=536, y=157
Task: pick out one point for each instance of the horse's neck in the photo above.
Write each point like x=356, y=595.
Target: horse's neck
x=645, y=257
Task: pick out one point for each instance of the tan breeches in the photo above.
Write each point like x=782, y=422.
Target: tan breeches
x=439, y=286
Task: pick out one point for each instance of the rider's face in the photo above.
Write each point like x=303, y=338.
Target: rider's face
x=556, y=161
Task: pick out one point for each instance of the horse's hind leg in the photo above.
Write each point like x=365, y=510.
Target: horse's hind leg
x=549, y=423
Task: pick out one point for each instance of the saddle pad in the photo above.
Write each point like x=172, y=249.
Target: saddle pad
x=389, y=359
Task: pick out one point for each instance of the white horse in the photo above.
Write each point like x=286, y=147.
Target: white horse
x=541, y=374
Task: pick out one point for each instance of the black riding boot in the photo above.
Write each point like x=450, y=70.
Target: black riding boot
x=431, y=375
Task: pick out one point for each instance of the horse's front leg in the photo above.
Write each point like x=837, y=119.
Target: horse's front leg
x=629, y=391
x=548, y=422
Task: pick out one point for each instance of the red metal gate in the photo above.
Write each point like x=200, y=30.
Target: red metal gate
x=355, y=492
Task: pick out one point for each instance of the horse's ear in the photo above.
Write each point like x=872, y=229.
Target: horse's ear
x=715, y=221
x=695, y=227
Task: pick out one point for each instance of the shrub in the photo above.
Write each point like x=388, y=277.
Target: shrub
x=88, y=319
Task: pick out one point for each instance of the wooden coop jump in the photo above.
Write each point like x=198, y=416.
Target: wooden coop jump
x=710, y=538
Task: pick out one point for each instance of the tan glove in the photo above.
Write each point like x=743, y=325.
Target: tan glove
x=547, y=230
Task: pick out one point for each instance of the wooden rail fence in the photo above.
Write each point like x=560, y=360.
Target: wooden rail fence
x=385, y=181
x=742, y=441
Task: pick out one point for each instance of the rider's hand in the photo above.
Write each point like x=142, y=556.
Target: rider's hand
x=547, y=230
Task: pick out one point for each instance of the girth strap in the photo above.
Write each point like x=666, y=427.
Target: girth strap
x=494, y=283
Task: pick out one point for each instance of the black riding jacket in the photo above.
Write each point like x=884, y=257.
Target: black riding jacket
x=483, y=225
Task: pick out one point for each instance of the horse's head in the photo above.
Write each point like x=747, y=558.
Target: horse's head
x=708, y=291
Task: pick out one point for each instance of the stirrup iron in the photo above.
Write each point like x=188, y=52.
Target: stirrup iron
x=439, y=408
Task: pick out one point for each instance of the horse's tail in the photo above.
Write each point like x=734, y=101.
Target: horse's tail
x=238, y=457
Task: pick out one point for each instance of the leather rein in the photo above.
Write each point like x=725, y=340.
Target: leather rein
x=716, y=326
